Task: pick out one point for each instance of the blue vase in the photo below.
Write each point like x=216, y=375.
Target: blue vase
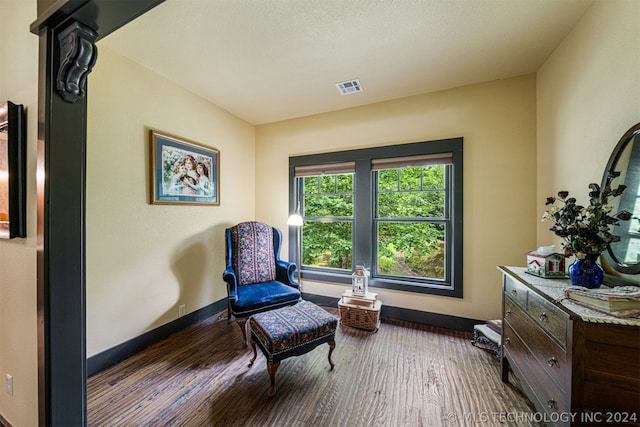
x=586, y=272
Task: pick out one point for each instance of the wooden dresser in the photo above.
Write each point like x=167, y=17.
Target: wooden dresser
x=577, y=366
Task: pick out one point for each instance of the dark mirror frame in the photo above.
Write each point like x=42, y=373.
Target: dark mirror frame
x=628, y=138
x=14, y=164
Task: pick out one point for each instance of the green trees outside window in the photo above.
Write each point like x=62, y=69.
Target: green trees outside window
x=411, y=238
x=410, y=235
x=327, y=234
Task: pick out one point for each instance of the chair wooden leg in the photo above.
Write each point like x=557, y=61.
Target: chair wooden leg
x=243, y=327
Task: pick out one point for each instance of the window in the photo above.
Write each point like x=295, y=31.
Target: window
x=397, y=209
x=328, y=221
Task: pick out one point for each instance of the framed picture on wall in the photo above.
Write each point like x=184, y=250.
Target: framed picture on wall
x=13, y=171
x=183, y=172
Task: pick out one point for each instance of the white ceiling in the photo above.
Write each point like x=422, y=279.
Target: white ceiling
x=270, y=60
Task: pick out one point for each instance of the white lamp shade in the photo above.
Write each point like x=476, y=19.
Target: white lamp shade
x=295, y=220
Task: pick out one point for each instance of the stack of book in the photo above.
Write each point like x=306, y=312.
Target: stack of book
x=621, y=301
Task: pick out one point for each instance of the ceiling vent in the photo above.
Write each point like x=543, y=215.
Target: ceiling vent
x=349, y=87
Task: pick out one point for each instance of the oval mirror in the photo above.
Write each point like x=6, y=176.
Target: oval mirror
x=624, y=256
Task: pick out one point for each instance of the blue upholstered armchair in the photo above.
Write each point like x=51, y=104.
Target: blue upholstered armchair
x=257, y=279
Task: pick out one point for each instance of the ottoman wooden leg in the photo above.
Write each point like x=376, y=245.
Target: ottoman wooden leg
x=332, y=346
x=272, y=368
x=255, y=353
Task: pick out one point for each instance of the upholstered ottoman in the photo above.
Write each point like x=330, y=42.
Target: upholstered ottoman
x=291, y=331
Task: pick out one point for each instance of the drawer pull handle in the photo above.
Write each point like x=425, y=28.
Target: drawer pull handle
x=543, y=316
x=507, y=313
x=551, y=404
x=507, y=341
x=515, y=292
x=552, y=361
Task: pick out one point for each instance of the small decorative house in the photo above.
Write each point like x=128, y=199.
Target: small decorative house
x=546, y=265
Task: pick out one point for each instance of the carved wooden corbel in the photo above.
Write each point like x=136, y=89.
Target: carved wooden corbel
x=78, y=55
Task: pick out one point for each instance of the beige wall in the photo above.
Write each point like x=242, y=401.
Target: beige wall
x=497, y=122
x=588, y=97
x=18, y=322
x=144, y=260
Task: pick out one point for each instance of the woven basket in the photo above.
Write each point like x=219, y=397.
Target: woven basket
x=358, y=315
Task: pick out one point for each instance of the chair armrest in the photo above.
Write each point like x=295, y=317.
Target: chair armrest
x=229, y=276
x=285, y=273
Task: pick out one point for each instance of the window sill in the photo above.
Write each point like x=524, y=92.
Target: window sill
x=441, y=289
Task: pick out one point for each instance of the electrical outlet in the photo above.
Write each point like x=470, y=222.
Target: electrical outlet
x=181, y=310
x=9, y=385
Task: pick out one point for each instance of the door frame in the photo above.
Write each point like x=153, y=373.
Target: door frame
x=67, y=30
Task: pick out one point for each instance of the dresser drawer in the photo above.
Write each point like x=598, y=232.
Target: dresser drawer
x=516, y=291
x=539, y=387
x=549, y=317
x=551, y=356
x=562, y=360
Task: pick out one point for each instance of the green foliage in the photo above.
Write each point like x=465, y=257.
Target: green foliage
x=411, y=204
x=388, y=180
x=406, y=248
x=411, y=249
x=385, y=264
x=424, y=178
x=412, y=192
x=328, y=196
x=431, y=265
x=412, y=263
x=327, y=244
x=329, y=205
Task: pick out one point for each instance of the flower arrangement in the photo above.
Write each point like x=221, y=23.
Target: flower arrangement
x=586, y=230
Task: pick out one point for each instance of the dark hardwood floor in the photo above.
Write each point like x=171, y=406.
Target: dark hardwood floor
x=403, y=375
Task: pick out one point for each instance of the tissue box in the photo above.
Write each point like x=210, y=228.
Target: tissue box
x=551, y=265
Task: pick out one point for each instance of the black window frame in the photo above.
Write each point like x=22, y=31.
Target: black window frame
x=364, y=214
